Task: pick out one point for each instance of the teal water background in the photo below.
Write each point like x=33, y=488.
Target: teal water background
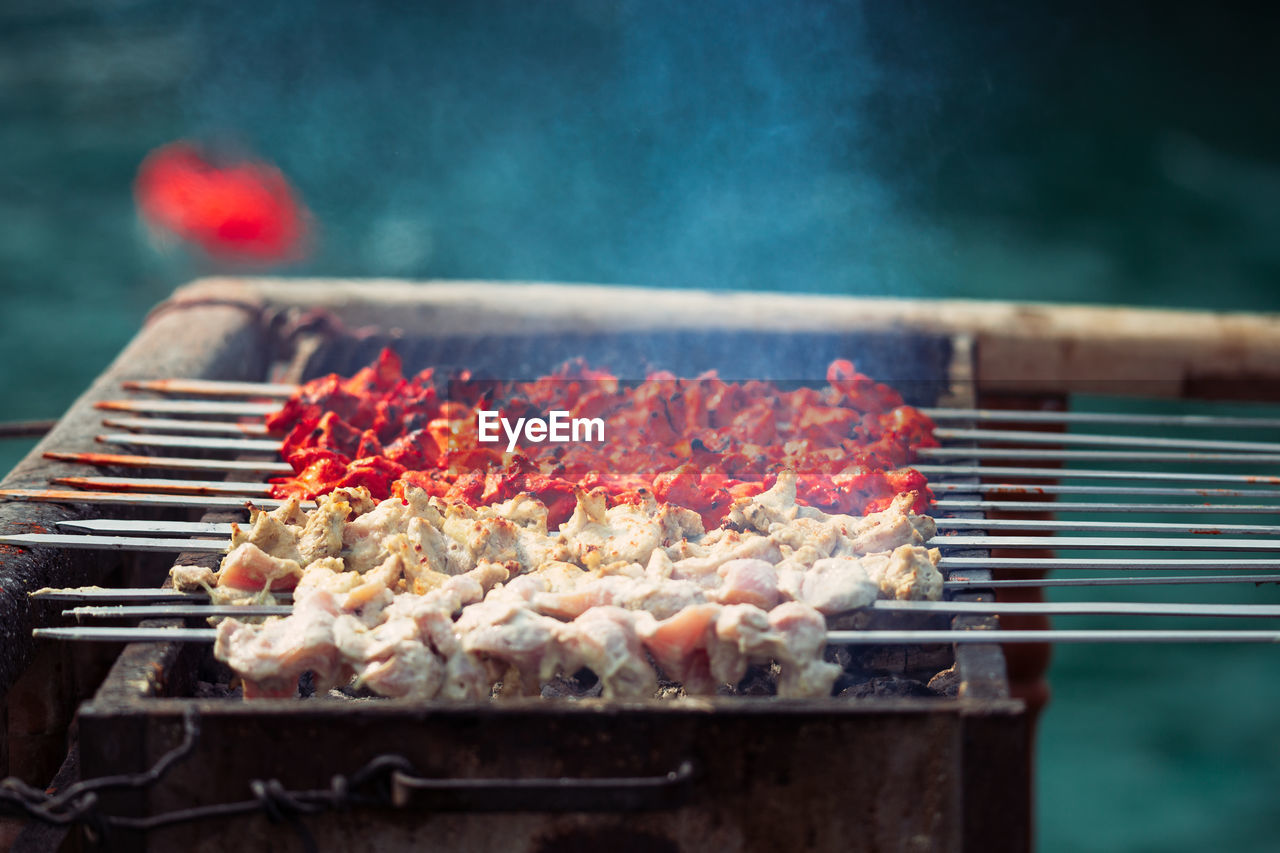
x=1117, y=153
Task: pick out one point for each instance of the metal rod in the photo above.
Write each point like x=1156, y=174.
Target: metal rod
x=170, y=463
x=115, y=543
x=1144, y=564
x=205, y=388
x=103, y=634
x=869, y=638
x=26, y=429
x=1034, y=417
x=130, y=594
x=1050, y=608
x=202, y=408
x=120, y=543
x=120, y=526
x=1020, y=473
x=1068, y=438
x=1117, y=543
x=201, y=442
x=174, y=425
x=1053, y=453
x=68, y=496
x=941, y=433
x=959, y=582
x=998, y=489
x=1083, y=608
x=192, y=442
x=208, y=635
x=1085, y=526
x=210, y=387
x=1099, y=507
x=196, y=528
x=177, y=611
x=210, y=487
x=136, y=594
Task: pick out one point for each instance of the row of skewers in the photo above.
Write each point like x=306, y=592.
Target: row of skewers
x=206, y=419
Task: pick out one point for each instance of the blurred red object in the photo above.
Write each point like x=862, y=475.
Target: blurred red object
x=243, y=211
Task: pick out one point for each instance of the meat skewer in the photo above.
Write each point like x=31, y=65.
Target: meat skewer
x=195, y=501
x=253, y=445
x=127, y=543
x=271, y=467
x=202, y=387
x=985, y=608
x=872, y=638
x=163, y=425
x=199, y=528
x=162, y=594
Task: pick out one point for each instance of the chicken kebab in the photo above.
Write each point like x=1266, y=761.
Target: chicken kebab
x=470, y=577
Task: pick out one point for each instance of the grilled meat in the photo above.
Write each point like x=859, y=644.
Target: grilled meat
x=426, y=597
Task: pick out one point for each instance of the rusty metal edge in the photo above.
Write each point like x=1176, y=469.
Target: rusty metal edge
x=227, y=340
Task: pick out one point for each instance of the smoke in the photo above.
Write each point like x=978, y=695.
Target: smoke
x=920, y=149
x=717, y=144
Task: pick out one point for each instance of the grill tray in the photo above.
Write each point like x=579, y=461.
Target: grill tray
x=902, y=772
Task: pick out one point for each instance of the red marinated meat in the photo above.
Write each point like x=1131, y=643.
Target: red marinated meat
x=700, y=443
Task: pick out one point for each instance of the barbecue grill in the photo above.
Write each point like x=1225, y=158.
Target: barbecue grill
x=887, y=766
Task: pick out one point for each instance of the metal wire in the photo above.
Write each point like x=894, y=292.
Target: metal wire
x=79, y=802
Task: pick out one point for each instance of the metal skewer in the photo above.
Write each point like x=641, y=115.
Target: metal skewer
x=1021, y=489
x=1052, y=608
x=175, y=486
x=1067, y=438
x=1034, y=417
x=170, y=463
x=251, y=445
x=958, y=582
x=173, y=425
x=195, y=427
x=125, y=543
x=1137, y=564
x=67, y=496
x=177, y=611
x=210, y=387
x=208, y=635
x=197, y=528
x=1020, y=473
x=1105, y=543
x=152, y=527
x=209, y=487
x=132, y=594
x=115, y=543
x=178, y=463
x=164, y=594
x=205, y=388
x=172, y=484
x=192, y=442
x=203, y=408
x=1103, y=507
x=1048, y=636
x=1056, y=454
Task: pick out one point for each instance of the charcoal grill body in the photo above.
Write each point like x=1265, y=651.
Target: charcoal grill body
x=879, y=773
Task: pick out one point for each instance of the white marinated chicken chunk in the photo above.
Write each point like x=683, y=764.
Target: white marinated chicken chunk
x=604, y=640
x=909, y=572
x=837, y=585
x=594, y=536
x=424, y=598
x=270, y=656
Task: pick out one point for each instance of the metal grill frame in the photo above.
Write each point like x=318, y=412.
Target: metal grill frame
x=969, y=752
